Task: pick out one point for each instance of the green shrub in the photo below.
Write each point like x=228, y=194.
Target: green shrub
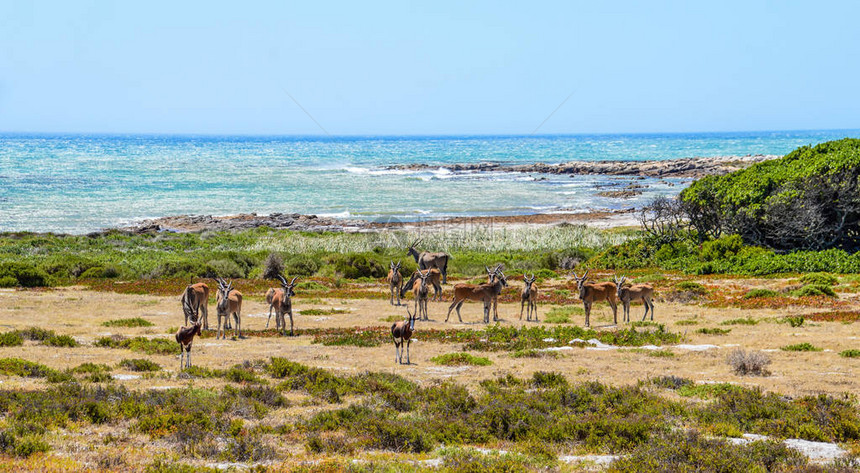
x=811, y=290
x=11, y=339
x=760, y=293
x=240, y=374
x=68, y=266
x=805, y=346
x=721, y=248
x=139, y=364
x=62, y=341
x=37, y=334
x=8, y=281
x=819, y=279
x=562, y=315
x=794, y=321
x=24, y=274
x=24, y=446
x=223, y=268
x=150, y=346
x=133, y=322
x=691, y=286
x=746, y=321
x=457, y=359
x=853, y=353
x=23, y=368
x=714, y=331
x=310, y=286
x=302, y=265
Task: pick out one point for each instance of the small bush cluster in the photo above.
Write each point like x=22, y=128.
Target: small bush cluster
x=150, y=346
x=805, y=346
x=714, y=331
x=133, y=322
x=139, y=364
x=458, y=359
x=745, y=363
x=759, y=293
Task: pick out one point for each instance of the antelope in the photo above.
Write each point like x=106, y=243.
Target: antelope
x=434, y=279
x=635, y=292
x=185, y=335
x=229, y=302
x=395, y=282
x=485, y=293
x=281, y=300
x=427, y=260
x=199, y=297
x=491, y=274
x=594, y=292
x=401, y=332
x=421, y=292
x=529, y=296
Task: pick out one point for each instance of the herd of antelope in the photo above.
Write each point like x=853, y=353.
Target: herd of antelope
x=432, y=271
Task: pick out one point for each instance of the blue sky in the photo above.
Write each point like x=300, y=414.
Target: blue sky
x=435, y=68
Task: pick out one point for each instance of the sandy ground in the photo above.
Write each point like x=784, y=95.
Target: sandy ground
x=80, y=313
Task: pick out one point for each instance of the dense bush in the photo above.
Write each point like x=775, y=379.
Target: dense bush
x=24, y=274
x=809, y=199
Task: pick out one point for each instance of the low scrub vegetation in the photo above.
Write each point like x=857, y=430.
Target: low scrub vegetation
x=714, y=331
x=139, y=364
x=746, y=363
x=133, y=322
x=458, y=359
x=805, y=346
x=150, y=346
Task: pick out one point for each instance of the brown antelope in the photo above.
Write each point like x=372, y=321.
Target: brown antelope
x=282, y=301
x=395, y=282
x=402, y=332
x=421, y=292
x=229, y=302
x=199, y=296
x=635, y=292
x=591, y=292
x=435, y=280
x=491, y=274
x=427, y=260
x=270, y=296
x=478, y=292
x=185, y=335
x=529, y=296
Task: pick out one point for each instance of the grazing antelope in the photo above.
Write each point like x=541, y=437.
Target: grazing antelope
x=402, y=332
x=435, y=280
x=199, y=296
x=185, y=335
x=395, y=282
x=229, y=302
x=282, y=301
x=635, y=292
x=529, y=296
x=485, y=293
x=591, y=292
x=427, y=260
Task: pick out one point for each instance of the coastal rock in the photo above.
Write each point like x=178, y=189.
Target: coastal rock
x=687, y=167
x=293, y=221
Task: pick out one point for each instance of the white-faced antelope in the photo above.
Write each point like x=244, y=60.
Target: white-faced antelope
x=199, y=297
x=529, y=296
x=485, y=293
x=185, y=335
x=229, y=302
x=435, y=280
x=427, y=260
x=282, y=301
x=422, y=292
x=594, y=292
x=635, y=292
x=402, y=332
x=395, y=282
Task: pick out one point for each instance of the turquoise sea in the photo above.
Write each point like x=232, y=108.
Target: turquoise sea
x=82, y=183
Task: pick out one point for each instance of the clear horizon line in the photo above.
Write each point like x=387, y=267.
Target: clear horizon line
x=321, y=136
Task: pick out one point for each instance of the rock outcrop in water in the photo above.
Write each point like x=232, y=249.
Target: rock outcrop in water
x=686, y=167
x=196, y=223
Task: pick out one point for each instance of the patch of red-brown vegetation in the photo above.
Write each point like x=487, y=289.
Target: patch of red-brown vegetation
x=835, y=316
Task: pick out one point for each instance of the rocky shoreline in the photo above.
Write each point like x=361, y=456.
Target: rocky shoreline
x=687, y=167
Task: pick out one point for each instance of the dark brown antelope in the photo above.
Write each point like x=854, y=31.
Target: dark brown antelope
x=435, y=280
x=529, y=296
x=282, y=301
x=229, y=302
x=199, y=296
x=427, y=260
x=185, y=335
x=595, y=292
x=632, y=293
x=402, y=332
x=395, y=282
x=485, y=293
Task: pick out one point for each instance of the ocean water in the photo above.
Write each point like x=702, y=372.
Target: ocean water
x=82, y=183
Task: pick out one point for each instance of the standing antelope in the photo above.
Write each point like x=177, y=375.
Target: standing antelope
x=635, y=292
x=591, y=292
x=491, y=275
x=401, y=332
x=229, y=302
x=185, y=335
x=199, y=297
x=395, y=282
x=427, y=260
x=529, y=296
x=478, y=292
x=282, y=301
x=435, y=280
x=421, y=292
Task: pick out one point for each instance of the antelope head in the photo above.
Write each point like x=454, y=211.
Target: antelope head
x=424, y=277
x=619, y=284
x=224, y=289
x=288, y=286
x=411, y=318
x=411, y=248
x=395, y=267
x=529, y=281
x=580, y=283
x=500, y=275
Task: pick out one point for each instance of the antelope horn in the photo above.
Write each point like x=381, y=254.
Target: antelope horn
x=293, y=282
x=586, y=274
x=574, y=275
x=283, y=281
